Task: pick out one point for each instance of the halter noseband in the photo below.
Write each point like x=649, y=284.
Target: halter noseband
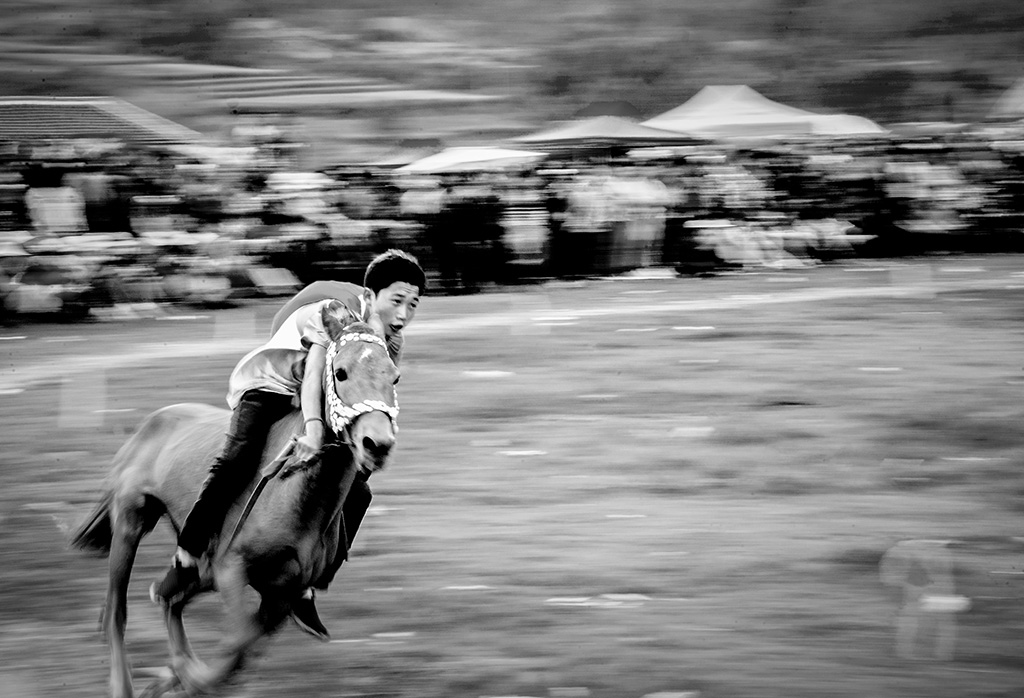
x=339, y=415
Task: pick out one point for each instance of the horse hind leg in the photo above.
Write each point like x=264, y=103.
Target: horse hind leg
x=131, y=519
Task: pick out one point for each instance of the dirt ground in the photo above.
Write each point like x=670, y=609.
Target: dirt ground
x=796, y=484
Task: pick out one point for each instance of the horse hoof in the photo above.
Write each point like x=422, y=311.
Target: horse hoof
x=196, y=677
x=165, y=683
x=157, y=672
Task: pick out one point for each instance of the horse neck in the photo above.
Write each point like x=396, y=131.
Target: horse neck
x=321, y=496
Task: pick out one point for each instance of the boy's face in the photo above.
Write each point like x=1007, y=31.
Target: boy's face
x=396, y=306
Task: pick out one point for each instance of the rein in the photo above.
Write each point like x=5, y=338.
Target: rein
x=269, y=473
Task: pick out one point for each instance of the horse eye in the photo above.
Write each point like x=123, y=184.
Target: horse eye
x=397, y=378
x=341, y=375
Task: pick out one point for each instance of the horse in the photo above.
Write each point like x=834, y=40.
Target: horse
x=282, y=546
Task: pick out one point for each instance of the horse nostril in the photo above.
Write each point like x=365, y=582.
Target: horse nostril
x=377, y=450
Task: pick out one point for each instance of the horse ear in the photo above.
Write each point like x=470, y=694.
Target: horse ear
x=336, y=317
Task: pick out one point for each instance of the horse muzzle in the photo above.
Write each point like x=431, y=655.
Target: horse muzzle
x=373, y=438
x=372, y=453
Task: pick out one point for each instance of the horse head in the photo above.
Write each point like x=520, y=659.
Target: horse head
x=360, y=400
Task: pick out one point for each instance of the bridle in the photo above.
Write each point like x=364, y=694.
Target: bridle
x=339, y=415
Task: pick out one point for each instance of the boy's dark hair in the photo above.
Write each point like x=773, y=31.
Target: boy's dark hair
x=392, y=266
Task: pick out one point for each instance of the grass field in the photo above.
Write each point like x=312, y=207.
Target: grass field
x=612, y=488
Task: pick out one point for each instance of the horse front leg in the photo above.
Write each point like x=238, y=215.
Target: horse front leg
x=180, y=650
x=247, y=628
x=177, y=640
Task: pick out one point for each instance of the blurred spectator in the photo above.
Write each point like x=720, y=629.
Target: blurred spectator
x=467, y=239
x=695, y=209
x=556, y=204
x=57, y=209
x=13, y=211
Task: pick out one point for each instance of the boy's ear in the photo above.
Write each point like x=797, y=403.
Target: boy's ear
x=336, y=317
x=367, y=301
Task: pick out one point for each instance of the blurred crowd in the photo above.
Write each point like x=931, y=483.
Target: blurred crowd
x=102, y=228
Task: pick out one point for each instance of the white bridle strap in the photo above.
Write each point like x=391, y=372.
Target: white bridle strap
x=340, y=415
x=356, y=337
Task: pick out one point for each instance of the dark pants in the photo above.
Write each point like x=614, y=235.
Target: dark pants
x=352, y=512
x=234, y=468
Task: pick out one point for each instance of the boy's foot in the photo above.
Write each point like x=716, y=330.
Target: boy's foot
x=305, y=616
x=179, y=581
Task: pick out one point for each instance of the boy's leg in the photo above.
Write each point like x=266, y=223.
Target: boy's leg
x=233, y=469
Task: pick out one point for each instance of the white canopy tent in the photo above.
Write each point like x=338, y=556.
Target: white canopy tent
x=1010, y=105
x=601, y=129
x=844, y=125
x=738, y=111
x=472, y=159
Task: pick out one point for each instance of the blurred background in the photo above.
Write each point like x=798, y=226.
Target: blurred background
x=202, y=152
x=727, y=292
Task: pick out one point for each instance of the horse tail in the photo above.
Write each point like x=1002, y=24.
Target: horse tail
x=96, y=533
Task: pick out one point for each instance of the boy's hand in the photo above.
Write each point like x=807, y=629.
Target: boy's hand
x=310, y=443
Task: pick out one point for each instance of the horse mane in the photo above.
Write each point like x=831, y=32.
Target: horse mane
x=358, y=326
x=336, y=329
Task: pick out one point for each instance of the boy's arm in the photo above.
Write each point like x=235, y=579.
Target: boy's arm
x=311, y=399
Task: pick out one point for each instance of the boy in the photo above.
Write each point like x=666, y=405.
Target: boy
x=261, y=390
